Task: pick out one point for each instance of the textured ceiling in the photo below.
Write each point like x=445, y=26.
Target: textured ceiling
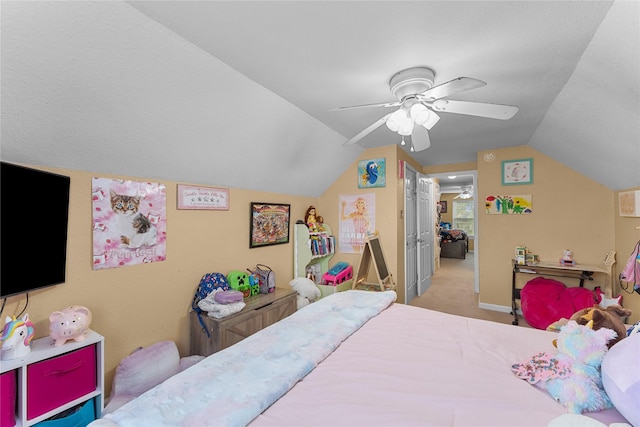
x=554, y=60
x=239, y=93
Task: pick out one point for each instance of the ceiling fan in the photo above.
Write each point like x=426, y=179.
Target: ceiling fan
x=467, y=193
x=420, y=101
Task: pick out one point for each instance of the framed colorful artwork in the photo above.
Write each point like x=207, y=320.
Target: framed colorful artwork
x=508, y=205
x=269, y=224
x=517, y=172
x=372, y=173
x=211, y=198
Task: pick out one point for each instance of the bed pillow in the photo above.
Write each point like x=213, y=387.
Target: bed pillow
x=146, y=367
x=621, y=377
x=545, y=301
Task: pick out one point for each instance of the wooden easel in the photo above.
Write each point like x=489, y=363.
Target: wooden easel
x=372, y=251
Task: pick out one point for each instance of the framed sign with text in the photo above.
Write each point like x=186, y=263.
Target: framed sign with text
x=211, y=198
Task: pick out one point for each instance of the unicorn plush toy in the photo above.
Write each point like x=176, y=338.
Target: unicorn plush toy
x=16, y=337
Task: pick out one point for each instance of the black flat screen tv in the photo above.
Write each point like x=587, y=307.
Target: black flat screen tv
x=34, y=214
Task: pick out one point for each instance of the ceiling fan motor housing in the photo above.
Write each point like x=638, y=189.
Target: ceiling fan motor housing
x=411, y=81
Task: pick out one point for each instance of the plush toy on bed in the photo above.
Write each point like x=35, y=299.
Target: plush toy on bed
x=611, y=317
x=307, y=291
x=572, y=376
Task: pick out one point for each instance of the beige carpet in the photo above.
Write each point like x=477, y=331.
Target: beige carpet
x=452, y=292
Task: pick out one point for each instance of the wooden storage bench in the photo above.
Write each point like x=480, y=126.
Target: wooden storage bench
x=261, y=311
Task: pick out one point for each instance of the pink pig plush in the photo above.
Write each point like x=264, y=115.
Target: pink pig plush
x=71, y=323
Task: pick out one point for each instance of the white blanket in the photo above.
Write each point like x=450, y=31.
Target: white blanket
x=232, y=387
x=219, y=310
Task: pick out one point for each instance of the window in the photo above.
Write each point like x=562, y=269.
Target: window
x=463, y=216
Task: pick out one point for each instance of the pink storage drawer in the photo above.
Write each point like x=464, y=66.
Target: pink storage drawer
x=59, y=380
x=8, y=399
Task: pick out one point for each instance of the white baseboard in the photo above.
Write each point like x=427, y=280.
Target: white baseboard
x=500, y=308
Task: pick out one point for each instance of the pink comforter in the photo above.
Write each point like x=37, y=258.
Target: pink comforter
x=411, y=366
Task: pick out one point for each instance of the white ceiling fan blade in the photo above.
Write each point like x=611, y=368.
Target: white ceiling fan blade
x=461, y=84
x=492, y=111
x=368, y=130
x=420, y=138
x=380, y=104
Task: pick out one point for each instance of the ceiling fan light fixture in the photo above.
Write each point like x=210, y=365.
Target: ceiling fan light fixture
x=406, y=128
x=431, y=122
x=420, y=114
x=400, y=122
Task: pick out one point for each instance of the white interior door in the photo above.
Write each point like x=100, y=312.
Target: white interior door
x=425, y=230
x=411, y=234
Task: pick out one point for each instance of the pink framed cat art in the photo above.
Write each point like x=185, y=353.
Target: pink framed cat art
x=129, y=222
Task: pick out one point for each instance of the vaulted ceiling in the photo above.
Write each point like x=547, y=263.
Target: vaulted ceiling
x=241, y=93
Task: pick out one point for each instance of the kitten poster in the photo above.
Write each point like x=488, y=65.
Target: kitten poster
x=129, y=222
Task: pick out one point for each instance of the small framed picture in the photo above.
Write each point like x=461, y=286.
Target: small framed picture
x=517, y=172
x=443, y=206
x=269, y=224
x=372, y=173
x=206, y=198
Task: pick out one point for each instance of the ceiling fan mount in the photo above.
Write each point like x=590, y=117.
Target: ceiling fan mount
x=411, y=81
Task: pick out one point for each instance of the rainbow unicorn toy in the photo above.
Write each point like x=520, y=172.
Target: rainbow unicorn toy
x=16, y=337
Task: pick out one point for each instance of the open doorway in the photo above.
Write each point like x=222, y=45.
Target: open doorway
x=459, y=192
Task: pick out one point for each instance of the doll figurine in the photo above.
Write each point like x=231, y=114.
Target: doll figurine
x=310, y=219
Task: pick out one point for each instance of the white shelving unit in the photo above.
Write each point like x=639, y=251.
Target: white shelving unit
x=302, y=256
x=43, y=349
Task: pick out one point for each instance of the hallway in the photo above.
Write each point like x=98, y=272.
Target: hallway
x=452, y=292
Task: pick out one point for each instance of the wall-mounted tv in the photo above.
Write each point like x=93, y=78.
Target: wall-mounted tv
x=34, y=213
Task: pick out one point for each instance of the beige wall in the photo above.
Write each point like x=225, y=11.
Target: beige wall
x=569, y=212
x=389, y=206
x=626, y=238
x=140, y=305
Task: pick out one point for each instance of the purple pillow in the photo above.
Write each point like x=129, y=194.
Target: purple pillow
x=621, y=377
x=227, y=297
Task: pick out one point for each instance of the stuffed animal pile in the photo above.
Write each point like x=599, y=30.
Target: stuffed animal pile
x=572, y=376
x=611, y=317
x=307, y=291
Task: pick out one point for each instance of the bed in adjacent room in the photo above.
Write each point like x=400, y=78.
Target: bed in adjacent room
x=358, y=358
